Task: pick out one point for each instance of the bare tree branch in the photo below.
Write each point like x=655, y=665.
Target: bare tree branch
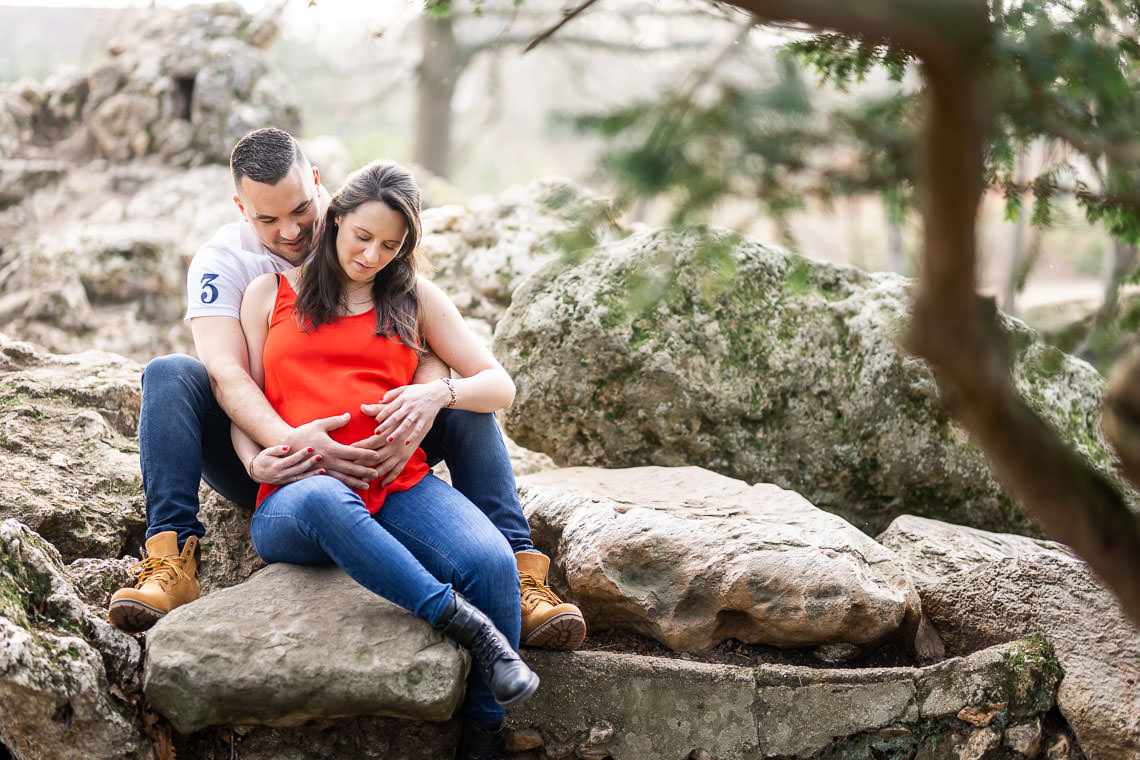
x=470, y=50
x=1128, y=152
x=570, y=15
x=701, y=77
x=1122, y=413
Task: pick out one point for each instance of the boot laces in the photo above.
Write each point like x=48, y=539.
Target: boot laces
x=164, y=570
x=534, y=591
x=488, y=648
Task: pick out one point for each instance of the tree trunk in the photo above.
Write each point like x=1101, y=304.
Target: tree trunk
x=436, y=87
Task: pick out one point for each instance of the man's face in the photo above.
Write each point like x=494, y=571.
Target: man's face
x=283, y=215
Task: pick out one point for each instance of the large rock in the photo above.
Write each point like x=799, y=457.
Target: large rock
x=70, y=450
x=485, y=250
x=1097, y=647
x=118, y=275
x=933, y=550
x=227, y=553
x=706, y=348
x=294, y=644
x=58, y=662
x=184, y=85
x=625, y=707
x=691, y=558
x=103, y=192
x=19, y=177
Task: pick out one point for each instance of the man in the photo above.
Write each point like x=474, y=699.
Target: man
x=187, y=408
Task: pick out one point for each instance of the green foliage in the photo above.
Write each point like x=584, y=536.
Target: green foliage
x=443, y=8
x=844, y=60
x=761, y=143
x=437, y=8
x=1062, y=72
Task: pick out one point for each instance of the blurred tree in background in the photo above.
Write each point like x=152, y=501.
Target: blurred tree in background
x=453, y=34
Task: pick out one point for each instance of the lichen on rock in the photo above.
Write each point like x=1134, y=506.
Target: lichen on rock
x=701, y=346
x=57, y=661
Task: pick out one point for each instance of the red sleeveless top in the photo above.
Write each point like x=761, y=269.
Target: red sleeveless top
x=331, y=370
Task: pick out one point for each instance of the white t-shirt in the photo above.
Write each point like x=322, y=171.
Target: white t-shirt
x=223, y=268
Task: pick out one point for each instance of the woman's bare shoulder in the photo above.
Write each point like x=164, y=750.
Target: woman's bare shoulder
x=260, y=293
x=430, y=294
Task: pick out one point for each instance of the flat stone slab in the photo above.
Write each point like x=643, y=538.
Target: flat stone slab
x=293, y=644
x=629, y=707
x=692, y=558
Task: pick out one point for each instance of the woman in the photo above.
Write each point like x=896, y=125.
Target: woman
x=344, y=328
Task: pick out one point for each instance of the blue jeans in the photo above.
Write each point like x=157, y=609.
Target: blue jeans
x=421, y=545
x=184, y=437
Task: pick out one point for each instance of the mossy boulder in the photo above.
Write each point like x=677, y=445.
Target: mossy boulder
x=1097, y=646
x=703, y=347
x=58, y=662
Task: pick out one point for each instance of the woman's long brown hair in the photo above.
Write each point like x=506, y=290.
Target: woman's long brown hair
x=320, y=291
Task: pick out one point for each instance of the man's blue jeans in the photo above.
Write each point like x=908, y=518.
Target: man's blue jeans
x=422, y=544
x=184, y=437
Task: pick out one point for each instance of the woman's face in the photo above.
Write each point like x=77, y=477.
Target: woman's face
x=367, y=238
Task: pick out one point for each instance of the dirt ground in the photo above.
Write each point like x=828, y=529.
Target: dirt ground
x=733, y=652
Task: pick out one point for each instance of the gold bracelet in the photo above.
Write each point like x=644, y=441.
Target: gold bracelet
x=451, y=388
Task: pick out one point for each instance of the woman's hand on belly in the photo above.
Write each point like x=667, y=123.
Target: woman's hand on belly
x=403, y=418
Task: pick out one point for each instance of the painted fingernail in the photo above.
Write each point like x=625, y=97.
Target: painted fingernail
x=318, y=458
x=284, y=448
x=320, y=472
x=310, y=449
x=406, y=442
x=389, y=439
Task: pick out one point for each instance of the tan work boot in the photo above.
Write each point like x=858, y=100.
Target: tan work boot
x=166, y=579
x=547, y=621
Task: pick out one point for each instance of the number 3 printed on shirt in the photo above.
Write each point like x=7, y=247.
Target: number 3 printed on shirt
x=209, y=292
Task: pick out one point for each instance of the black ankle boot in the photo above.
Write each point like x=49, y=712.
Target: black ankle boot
x=508, y=677
x=480, y=741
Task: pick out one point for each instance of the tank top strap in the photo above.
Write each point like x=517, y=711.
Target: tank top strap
x=284, y=301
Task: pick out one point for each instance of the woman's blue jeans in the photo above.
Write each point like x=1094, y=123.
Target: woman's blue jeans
x=184, y=437
x=423, y=543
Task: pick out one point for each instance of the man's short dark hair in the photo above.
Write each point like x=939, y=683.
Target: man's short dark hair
x=265, y=155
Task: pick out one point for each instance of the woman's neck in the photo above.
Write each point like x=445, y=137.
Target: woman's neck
x=357, y=300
